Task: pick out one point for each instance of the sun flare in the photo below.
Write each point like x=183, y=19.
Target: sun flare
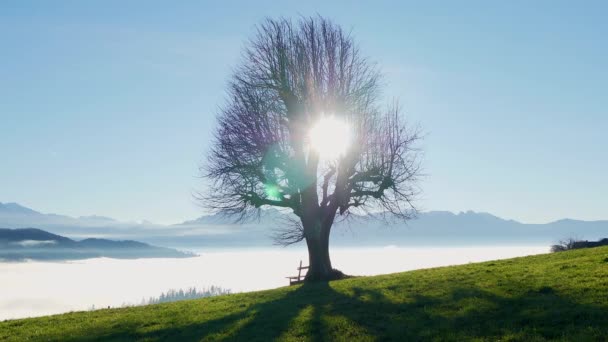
x=330, y=137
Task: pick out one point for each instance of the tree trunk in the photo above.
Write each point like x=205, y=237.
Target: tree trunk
x=317, y=240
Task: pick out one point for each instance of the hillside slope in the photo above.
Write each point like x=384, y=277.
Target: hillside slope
x=561, y=296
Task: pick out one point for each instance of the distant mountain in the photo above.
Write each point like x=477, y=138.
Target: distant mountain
x=16, y=236
x=429, y=228
x=465, y=228
x=17, y=216
x=13, y=215
x=16, y=209
x=266, y=215
x=37, y=244
x=97, y=219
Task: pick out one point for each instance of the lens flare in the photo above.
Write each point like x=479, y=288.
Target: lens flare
x=330, y=137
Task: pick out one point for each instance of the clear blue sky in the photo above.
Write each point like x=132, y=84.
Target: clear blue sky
x=107, y=107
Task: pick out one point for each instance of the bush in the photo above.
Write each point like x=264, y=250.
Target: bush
x=568, y=244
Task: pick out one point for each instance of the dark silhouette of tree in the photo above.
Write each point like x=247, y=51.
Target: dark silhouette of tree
x=191, y=293
x=292, y=75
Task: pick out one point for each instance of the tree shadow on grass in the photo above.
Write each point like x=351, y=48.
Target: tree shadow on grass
x=319, y=312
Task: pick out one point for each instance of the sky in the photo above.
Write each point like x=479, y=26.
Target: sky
x=108, y=107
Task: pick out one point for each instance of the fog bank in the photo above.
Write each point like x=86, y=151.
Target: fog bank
x=43, y=288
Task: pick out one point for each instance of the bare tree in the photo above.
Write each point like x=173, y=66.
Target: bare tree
x=292, y=75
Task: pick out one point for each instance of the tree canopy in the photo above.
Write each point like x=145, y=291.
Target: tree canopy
x=292, y=76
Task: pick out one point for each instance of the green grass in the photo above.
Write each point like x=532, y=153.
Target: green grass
x=561, y=296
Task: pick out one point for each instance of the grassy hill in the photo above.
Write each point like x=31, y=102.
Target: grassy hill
x=562, y=296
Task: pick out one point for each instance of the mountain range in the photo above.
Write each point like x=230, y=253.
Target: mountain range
x=429, y=228
x=36, y=244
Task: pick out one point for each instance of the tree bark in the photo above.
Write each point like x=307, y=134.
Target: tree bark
x=319, y=262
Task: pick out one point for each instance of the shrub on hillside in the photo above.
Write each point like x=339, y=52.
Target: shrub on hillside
x=568, y=244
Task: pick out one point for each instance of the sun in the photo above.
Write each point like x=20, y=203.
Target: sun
x=330, y=137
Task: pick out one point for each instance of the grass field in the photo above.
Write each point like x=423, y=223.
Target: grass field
x=561, y=296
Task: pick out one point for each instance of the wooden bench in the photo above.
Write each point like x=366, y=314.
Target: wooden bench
x=299, y=278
